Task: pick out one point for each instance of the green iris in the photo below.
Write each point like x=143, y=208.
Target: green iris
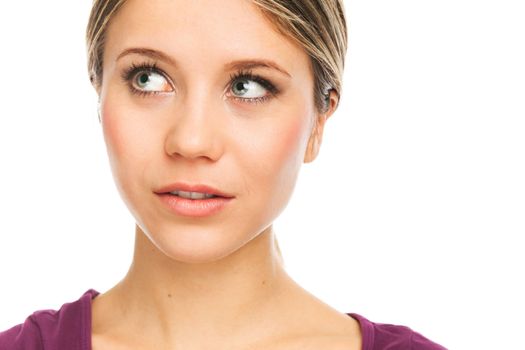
x=240, y=87
x=143, y=79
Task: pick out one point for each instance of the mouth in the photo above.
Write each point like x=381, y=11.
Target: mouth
x=193, y=195
x=194, y=192
x=193, y=200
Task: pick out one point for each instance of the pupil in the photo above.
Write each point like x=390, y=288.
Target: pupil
x=240, y=87
x=143, y=78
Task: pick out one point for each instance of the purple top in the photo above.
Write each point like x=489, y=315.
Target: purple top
x=70, y=328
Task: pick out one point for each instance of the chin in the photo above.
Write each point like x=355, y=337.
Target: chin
x=194, y=244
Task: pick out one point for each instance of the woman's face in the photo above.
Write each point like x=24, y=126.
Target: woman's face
x=204, y=93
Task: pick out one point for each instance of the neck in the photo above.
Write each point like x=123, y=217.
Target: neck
x=180, y=302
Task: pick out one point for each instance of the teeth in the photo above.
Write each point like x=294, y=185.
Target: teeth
x=193, y=195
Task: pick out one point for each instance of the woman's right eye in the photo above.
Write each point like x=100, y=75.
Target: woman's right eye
x=150, y=81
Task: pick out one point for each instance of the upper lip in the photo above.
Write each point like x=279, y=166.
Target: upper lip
x=179, y=186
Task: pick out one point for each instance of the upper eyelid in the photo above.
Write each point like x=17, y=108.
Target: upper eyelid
x=267, y=84
x=130, y=72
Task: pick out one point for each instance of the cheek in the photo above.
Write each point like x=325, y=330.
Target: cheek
x=116, y=132
x=127, y=147
x=112, y=132
x=290, y=150
x=282, y=153
x=289, y=143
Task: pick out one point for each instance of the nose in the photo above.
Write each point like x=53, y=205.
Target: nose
x=195, y=129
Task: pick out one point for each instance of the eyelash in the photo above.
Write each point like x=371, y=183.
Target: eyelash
x=131, y=72
x=248, y=75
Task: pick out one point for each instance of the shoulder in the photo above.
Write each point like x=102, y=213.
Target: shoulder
x=382, y=336
x=22, y=336
x=66, y=328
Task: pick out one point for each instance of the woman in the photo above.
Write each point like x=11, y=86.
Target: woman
x=208, y=110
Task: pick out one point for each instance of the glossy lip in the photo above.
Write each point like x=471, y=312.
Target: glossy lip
x=193, y=207
x=180, y=186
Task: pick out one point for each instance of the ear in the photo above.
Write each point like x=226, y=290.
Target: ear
x=316, y=136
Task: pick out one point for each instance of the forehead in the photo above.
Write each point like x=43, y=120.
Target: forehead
x=202, y=30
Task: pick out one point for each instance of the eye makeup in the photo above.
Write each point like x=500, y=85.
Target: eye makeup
x=130, y=74
x=247, y=75
x=134, y=71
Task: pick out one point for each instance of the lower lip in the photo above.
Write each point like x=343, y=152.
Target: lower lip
x=194, y=207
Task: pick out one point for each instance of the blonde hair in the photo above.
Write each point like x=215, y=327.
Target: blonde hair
x=319, y=26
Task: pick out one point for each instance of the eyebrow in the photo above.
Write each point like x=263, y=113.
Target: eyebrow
x=255, y=63
x=233, y=65
x=149, y=53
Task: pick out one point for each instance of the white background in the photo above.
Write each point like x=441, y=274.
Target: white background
x=413, y=213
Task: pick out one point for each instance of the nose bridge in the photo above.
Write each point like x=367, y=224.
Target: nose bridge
x=194, y=131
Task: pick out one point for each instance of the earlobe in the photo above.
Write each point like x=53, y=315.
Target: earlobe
x=316, y=136
x=314, y=142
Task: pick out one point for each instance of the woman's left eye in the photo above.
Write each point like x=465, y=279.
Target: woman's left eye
x=249, y=89
x=150, y=81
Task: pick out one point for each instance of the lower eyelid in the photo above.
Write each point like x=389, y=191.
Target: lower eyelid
x=145, y=93
x=255, y=100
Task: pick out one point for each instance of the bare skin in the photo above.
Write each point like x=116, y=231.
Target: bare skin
x=215, y=282
x=250, y=306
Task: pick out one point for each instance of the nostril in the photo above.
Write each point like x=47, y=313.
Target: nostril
x=194, y=144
